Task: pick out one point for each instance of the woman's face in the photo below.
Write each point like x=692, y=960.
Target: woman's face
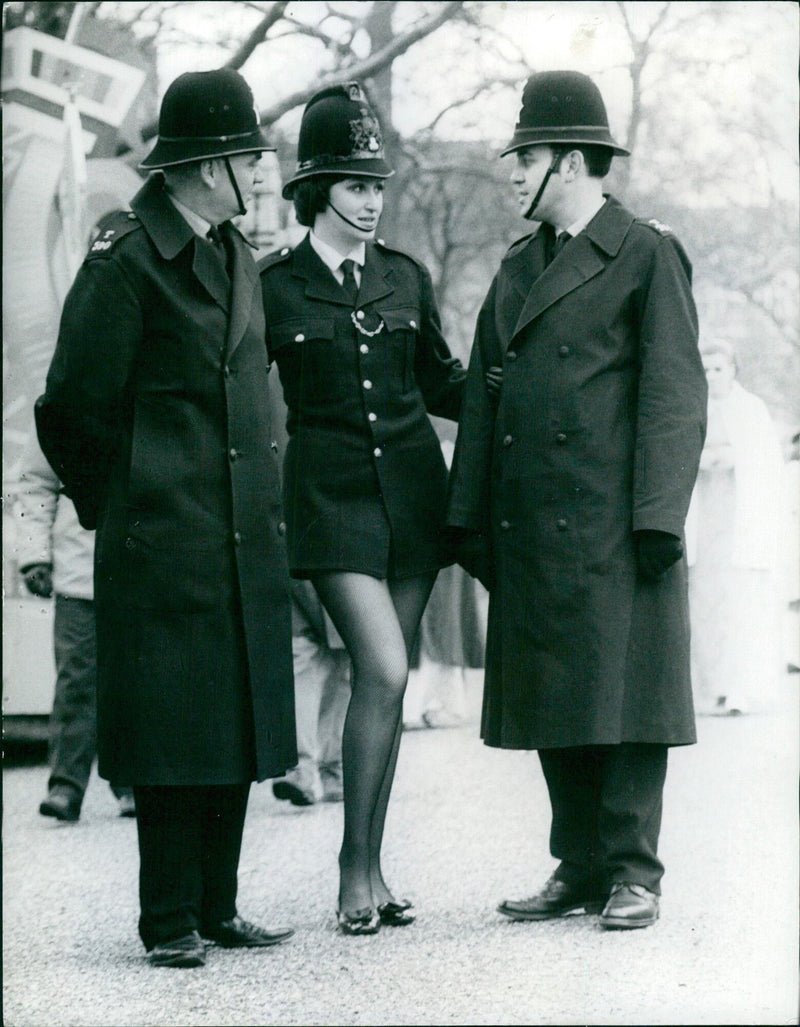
x=360, y=200
x=720, y=373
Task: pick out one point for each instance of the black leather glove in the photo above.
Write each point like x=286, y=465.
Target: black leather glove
x=656, y=552
x=38, y=579
x=471, y=550
x=494, y=379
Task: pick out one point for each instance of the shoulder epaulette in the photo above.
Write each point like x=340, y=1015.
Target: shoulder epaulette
x=277, y=257
x=381, y=245
x=110, y=229
x=656, y=225
x=519, y=243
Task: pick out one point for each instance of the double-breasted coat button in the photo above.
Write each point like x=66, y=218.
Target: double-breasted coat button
x=563, y=351
x=505, y=525
x=378, y=451
x=412, y=324
x=367, y=383
x=561, y=524
x=561, y=438
x=508, y=440
x=511, y=355
x=237, y=538
x=282, y=528
x=360, y=315
x=372, y=417
x=299, y=337
x=364, y=348
x=233, y=454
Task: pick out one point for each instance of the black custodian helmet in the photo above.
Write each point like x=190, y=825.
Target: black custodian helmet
x=339, y=135
x=206, y=114
x=562, y=107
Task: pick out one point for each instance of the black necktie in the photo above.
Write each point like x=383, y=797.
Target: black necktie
x=561, y=241
x=350, y=285
x=217, y=240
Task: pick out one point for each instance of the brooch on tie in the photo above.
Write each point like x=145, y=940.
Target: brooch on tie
x=363, y=330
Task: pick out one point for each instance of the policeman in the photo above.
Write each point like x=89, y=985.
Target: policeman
x=570, y=495
x=156, y=418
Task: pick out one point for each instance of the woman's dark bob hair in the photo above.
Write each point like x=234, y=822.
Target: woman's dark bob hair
x=310, y=197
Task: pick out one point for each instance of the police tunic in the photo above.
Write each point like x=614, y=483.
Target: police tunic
x=156, y=417
x=365, y=483
x=597, y=433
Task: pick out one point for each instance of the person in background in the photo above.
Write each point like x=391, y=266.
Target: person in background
x=321, y=695
x=156, y=417
x=56, y=557
x=451, y=642
x=354, y=329
x=733, y=532
x=569, y=495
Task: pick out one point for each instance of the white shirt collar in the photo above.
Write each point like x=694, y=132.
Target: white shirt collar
x=197, y=224
x=332, y=258
x=581, y=223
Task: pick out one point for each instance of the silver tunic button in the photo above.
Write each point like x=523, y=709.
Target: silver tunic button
x=300, y=337
x=360, y=315
x=377, y=451
x=413, y=324
x=367, y=384
x=372, y=417
x=364, y=347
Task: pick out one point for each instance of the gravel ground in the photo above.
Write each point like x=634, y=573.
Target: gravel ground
x=467, y=826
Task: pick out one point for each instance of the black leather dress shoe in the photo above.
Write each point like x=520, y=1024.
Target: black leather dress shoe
x=63, y=803
x=630, y=905
x=557, y=898
x=295, y=795
x=241, y=934
x=396, y=914
x=187, y=951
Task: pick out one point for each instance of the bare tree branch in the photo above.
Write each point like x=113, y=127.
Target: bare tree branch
x=257, y=36
x=369, y=66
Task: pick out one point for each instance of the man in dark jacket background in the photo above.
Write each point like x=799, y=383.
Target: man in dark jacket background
x=156, y=418
x=568, y=497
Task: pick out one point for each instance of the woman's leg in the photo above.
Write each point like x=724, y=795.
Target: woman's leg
x=410, y=596
x=363, y=611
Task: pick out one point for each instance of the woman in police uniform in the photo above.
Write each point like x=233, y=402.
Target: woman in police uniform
x=355, y=332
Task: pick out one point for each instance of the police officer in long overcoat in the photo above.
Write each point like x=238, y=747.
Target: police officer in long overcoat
x=156, y=417
x=570, y=494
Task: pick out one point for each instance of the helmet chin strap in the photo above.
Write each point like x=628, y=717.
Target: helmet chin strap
x=235, y=184
x=528, y=215
x=347, y=221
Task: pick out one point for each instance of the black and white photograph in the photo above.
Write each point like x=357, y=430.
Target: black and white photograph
x=401, y=513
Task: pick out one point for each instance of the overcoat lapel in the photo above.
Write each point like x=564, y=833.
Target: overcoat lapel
x=585, y=257
x=209, y=271
x=242, y=293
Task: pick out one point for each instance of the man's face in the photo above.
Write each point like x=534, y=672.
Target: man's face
x=530, y=167
x=247, y=172
x=720, y=374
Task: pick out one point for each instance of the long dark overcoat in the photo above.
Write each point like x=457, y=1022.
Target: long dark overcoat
x=156, y=417
x=365, y=483
x=597, y=433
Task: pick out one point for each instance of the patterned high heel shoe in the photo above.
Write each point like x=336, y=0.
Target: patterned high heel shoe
x=363, y=921
x=396, y=914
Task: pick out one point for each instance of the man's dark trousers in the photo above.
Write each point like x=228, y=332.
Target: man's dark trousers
x=190, y=838
x=606, y=803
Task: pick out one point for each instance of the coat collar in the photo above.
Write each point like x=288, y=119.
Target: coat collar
x=586, y=256
x=376, y=276
x=171, y=234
